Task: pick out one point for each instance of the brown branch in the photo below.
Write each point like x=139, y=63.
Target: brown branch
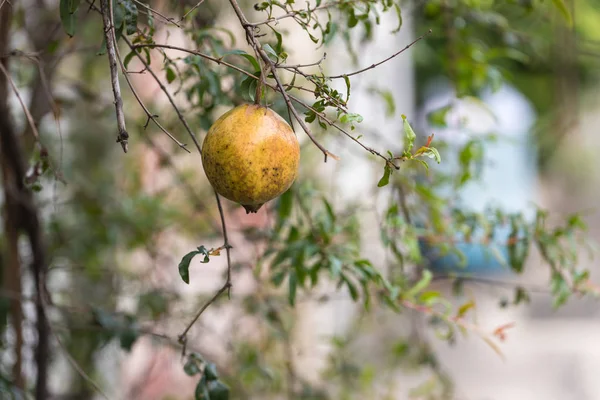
x=183, y=337
x=20, y=207
x=77, y=367
x=166, y=92
x=122, y=135
x=154, y=11
x=360, y=71
x=107, y=8
x=296, y=66
x=345, y=132
x=191, y=10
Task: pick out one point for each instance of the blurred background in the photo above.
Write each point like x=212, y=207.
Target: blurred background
x=509, y=90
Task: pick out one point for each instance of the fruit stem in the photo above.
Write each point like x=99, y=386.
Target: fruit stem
x=259, y=87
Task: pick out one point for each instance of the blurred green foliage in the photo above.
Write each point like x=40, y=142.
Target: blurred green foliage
x=111, y=233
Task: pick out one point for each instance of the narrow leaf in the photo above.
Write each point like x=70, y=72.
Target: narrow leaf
x=385, y=179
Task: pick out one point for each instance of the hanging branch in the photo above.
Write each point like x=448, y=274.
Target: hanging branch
x=122, y=135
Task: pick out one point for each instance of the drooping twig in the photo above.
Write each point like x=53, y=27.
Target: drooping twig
x=154, y=11
x=106, y=9
x=166, y=92
x=360, y=71
x=77, y=367
x=151, y=117
x=273, y=87
x=191, y=10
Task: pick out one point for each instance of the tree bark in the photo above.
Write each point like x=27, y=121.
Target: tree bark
x=21, y=217
x=11, y=273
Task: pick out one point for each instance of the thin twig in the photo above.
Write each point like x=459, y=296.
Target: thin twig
x=77, y=367
x=122, y=136
x=28, y=115
x=296, y=66
x=191, y=10
x=273, y=87
x=166, y=92
x=382, y=61
x=152, y=10
x=57, y=175
x=183, y=336
x=149, y=115
x=345, y=132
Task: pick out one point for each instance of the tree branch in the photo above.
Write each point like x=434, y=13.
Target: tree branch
x=110, y=36
x=122, y=135
x=360, y=71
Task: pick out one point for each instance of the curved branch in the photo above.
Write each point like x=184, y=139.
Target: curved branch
x=360, y=71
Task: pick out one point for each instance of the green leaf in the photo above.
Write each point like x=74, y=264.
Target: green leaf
x=284, y=207
x=421, y=285
x=128, y=58
x=128, y=337
x=118, y=14
x=562, y=8
x=201, y=392
x=350, y=118
x=170, y=75
x=293, y=286
x=217, y=390
x=430, y=152
x=269, y=50
x=278, y=45
x=67, y=9
x=390, y=104
x=184, y=265
x=352, y=20
x=409, y=134
x=210, y=371
x=131, y=16
x=438, y=117
x=385, y=179
x=347, y=80
x=399, y=14
x=192, y=365
x=247, y=56
x=278, y=278
x=335, y=266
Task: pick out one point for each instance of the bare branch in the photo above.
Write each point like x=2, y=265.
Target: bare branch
x=382, y=61
x=345, y=132
x=113, y=39
x=78, y=368
x=313, y=64
x=154, y=11
x=122, y=136
x=183, y=336
x=166, y=92
x=36, y=134
x=191, y=10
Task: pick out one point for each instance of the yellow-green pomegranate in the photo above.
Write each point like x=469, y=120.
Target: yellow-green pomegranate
x=251, y=155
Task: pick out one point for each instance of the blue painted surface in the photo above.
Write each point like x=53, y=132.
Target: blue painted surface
x=508, y=177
